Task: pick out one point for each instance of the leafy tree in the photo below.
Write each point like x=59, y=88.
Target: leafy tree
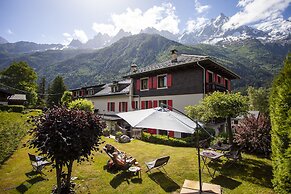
x=41, y=92
x=280, y=113
x=82, y=104
x=66, y=98
x=22, y=77
x=56, y=91
x=219, y=105
x=63, y=136
x=254, y=134
x=259, y=99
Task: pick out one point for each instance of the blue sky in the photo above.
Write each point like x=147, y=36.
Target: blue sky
x=59, y=21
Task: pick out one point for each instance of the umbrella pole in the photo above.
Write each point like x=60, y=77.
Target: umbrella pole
x=199, y=165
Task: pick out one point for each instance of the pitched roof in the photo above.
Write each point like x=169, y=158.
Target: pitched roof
x=183, y=60
x=106, y=91
x=17, y=97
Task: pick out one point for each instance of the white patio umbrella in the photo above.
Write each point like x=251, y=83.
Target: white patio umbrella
x=165, y=119
x=159, y=118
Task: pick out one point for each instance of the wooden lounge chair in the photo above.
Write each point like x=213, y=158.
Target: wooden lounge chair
x=158, y=163
x=120, y=159
x=38, y=163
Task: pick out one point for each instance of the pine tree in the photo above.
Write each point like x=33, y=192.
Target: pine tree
x=280, y=112
x=56, y=91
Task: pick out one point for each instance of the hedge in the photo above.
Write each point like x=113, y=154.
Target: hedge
x=165, y=140
x=280, y=113
x=12, y=108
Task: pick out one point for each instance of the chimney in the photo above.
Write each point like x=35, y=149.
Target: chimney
x=133, y=68
x=174, y=56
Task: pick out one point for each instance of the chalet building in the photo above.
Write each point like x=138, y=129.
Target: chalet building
x=179, y=82
x=182, y=81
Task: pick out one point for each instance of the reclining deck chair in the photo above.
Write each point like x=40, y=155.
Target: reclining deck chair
x=234, y=155
x=119, y=159
x=158, y=163
x=37, y=163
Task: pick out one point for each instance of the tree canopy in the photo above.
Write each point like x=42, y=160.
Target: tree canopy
x=280, y=113
x=82, y=104
x=67, y=98
x=22, y=78
x=219, y=105
x=56, y=91
x=259, y=99
x=63, y=136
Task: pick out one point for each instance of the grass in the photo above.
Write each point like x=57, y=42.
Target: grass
x=252, y=175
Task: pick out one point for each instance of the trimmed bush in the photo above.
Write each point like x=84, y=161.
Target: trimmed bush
x=12, y=108
x=280, y=113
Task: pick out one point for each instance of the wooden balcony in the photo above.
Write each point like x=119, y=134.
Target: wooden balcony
x=212, y=87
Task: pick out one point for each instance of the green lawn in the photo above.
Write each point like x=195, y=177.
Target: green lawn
x=252, y=175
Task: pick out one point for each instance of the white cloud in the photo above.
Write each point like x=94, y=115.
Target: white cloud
x=104, y=29
x=78, y=34
x=134, y=20
x=9, y=31
x=194, y=25
x=201, y=8
x=254, y=11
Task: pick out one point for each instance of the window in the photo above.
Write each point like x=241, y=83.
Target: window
x=162, y=81
x=144, y=84
x=163, y=132
x=210, y=77
x=111, y=106
x=134, y=105
x=90, y=91
x=122, y=106
x=162, y=102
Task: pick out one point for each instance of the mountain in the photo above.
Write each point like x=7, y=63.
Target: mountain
x=3, y=41
x=99, y=41
x=210, y=32
x=213, y=32
x=26, y=47
x=254, y=61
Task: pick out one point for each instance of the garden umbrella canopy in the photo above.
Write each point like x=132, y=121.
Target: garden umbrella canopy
x=159, y=118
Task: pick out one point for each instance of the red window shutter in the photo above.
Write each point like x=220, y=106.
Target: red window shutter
x=138, y=84
x=154, y=131
x=120, y=104
x=171, y=133
x=206, y=76
x=108, y=106
x=215, y=78
x=113, y=106
x=222, y=80
x=142, y=104
x=150, y=104
x=155, y=103
x=150, y=82
x=133, y=104
x=155, y=83
x=170, y=104
x=169, y=80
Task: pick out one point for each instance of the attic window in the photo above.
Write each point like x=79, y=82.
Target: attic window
x=114, y=88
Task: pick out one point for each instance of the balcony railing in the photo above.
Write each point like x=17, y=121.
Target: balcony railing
x=212, y=87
